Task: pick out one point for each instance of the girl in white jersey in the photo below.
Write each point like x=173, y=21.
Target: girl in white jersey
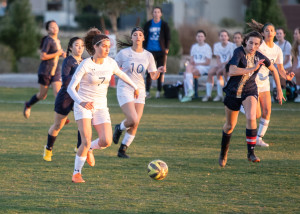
x=296, y=61
x=223, y=51
x=200, y=58
x=134, y=61
x=90, y=107
x=274, y=53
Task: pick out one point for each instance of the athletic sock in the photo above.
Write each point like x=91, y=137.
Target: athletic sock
x=95, y=145
x=209, y=87
x=263, y=126
x=189, y=81
x=79, y=162
x=220, y=85
x=32, y=101
x=78, y=139
x=127, y=140
x=122, y=126
x=50, y=142
x=251, y=140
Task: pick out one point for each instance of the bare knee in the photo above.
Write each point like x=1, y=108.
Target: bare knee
x=105, y=142
x=133, y=121
x=41, y=96
x=228, y=128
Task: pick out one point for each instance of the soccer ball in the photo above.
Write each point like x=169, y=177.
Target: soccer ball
x=157, y=169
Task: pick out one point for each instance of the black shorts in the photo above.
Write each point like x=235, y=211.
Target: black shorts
x=63, y=103
x=48, y=79
x=234, y=103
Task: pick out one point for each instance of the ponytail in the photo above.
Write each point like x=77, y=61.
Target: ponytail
x=70, y=44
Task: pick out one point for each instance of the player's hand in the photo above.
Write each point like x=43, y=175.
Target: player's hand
x=136, y=93
x=290, y=76
x=161, y=69
x=259, y=63
x=280, y=96
x=87, y=105
x=60, y=52
x=64, y=54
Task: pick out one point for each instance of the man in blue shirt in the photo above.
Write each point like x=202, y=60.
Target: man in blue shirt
x=157, y=40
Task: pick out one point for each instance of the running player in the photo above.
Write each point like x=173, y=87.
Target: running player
x=90, y=107
x=134, y=61
x=274, y=53
x=223, y=51
x=241, y=89
x=49, y=72
x=296, y=61
x=199, y=62
x=63, y=101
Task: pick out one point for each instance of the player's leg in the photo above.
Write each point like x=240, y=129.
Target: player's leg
x=210, y=83
x=220, y=85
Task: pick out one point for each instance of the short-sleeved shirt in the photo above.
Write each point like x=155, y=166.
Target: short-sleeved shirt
x=201, y=53
x=286, y=48
x=274, y=54
x=135, y=64
x=49, y=47
x=243, y=85
x=69, y=67
x=154, y=32
x=225, y=53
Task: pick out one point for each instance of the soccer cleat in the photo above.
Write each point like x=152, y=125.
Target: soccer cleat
x=47, y=154
x=205, y=99
x=90, y=159
x=26, y=111
x=148, y=95
x=253, y=158
x=218, y=98
x=157, y=94
x=77, y=178
x=260, y=142
x=117, y=134
x=122, y=151
x=186, y=99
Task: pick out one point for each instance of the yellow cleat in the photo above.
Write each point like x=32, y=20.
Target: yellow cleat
x=47, y=154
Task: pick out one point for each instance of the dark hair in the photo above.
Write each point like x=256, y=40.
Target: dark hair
x=201, y=31
x=280, y=28
x=137, y=28
x=224, y=31
x=47, y=28
x=238, y=33
x=71, y=42
x=156, y=7
x=295, y=50
x=88, y=40
x=252, y=34
x=127, y=42
x=259, y=27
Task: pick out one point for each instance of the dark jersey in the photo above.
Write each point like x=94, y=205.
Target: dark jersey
x=69, y=67
x=243, y=85
x=49, y=47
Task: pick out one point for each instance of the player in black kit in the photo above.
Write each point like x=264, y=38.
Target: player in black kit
x=63, y=102
x=241, y=89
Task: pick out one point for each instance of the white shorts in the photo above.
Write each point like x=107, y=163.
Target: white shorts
x=124, y=96
x=263, y=85
x=203, y=70
x=98, y=116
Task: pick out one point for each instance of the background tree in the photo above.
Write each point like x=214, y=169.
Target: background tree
x=18, y=29
x=114, y=8
x=264, y=11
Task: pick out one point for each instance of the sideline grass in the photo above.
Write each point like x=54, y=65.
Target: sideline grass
x=186, y=136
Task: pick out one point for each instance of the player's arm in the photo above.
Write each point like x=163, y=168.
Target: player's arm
x=277, y=82
x=236, y=71
x=282, y=72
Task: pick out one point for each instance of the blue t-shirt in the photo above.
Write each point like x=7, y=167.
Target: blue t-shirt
x=153, y=40
x=49, y=47
x=243, y=85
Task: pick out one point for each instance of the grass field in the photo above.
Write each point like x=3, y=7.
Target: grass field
x=186, y=136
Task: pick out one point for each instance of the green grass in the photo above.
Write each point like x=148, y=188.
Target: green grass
x=186, y=136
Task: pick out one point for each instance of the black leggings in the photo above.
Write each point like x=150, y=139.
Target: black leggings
x=159, y=57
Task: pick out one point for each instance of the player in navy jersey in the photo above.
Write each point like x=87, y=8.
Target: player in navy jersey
x=49, y=72
x=134, y=61
x=296, y=60
x=241, y=89
x=63, y=101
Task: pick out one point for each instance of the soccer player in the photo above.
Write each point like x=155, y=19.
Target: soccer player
x=49, y=72
x=237, y=39
x=63, y=101
x=286, y=48
x=199, y=62
x=296, y=60
x=274, y=53
x=90, y=107
x=223, y=51
x=134, y=61
x=241, y=89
